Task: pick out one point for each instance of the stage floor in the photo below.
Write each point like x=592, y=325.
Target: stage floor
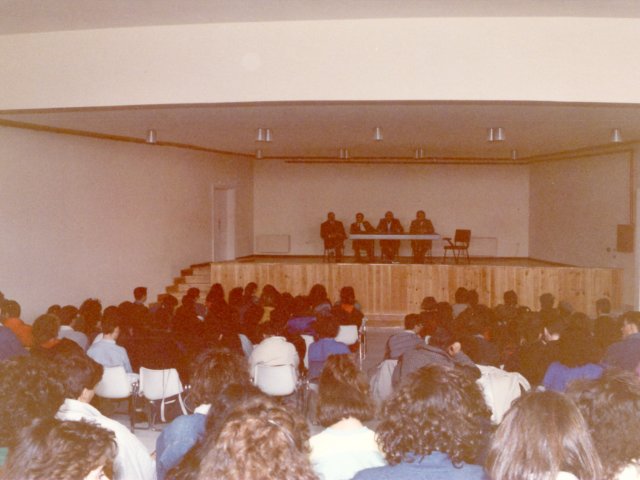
x=481, y=261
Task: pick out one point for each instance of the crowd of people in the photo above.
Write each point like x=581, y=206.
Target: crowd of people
x=580, y=418
x=334, y=235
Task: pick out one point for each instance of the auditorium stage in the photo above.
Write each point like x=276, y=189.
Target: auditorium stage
x=389, y=291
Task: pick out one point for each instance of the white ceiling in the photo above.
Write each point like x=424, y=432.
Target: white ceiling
x=442, y=129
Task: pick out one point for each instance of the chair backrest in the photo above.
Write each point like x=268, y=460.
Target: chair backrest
x=380, y=383
x=278, y=380
x=462, y=236
x=114, y=383
x=308, y=340
x=500, y=389
x=159, y=384
x=247, y=346
x=348, y=334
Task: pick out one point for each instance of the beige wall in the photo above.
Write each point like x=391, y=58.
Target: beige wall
x=575, y=207
x=92, y=218
x=293, y=199
x=546, y=59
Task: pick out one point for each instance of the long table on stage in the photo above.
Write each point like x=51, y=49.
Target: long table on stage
x=394, y=236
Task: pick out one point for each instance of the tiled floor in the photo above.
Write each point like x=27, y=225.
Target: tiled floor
x=376, y=340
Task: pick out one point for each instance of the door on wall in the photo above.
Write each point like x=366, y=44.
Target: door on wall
x=223, y=215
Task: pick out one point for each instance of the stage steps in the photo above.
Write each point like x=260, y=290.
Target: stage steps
x=198, y=275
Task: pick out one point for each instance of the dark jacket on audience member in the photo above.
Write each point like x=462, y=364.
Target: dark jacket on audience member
x=625, y=353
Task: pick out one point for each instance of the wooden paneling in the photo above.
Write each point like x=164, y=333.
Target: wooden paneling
x=397, y=289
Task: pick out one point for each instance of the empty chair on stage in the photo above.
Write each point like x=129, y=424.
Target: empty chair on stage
x=389, y=225
x=333, y=234
x=421, y=225
x=362, y=226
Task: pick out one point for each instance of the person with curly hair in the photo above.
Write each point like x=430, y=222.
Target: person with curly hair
x=53, y=449
x=543, y=436
x=346, y=446
x=260, y=440
x=435, y=426
x=29, y=389
x=611, y=407
x=214, y=370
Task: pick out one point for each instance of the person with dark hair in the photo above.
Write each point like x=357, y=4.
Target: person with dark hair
x=46, y=342
x=347, y=310
x=273, y=349
x=201, y=309
x=625, y=354
x=79, y=376
x=214, y=370
x=461, y=301
x=29, y=389
x=443, y=349
x=543, y=437
x=390, y=225
x=260, y=439
x=400, y=343
x=421, y=225
x=68, y=316
x=10, y=316
x=319, y=299
x=105, y=351
x=435, y=426
x=606, y=329
x=346, y=446
x=362, y=226
x=578, y=358
x=140, y=295
x=611, y=407
x=333, y=235
x=53, y=449
x=327, y=329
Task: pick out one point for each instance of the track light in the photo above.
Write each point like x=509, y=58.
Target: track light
x=616, y=136
x=344, y=153
x=496, y=134
x=377, y=134
x=152, y=137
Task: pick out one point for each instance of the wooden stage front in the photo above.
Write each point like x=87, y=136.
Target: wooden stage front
x=389, y=291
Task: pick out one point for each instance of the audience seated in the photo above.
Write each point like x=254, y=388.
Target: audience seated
x=400, y=343
x=46, y=342
x=273, y=349
x=578, y=357
x=213, y=371
x=434, y=427
x=626, y=353
x=346, y=446
x=320, y=303
x=347, y=310
x=106, y=352
x=68, y=316
x=79, y=376
x=611, y=407
x=543, y=436
x=53, y=449
x=10, y=316
x=606, y=329
x=326, y=345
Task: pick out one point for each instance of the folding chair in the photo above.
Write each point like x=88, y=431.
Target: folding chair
x=460, y=245
x=160, y=385
x=115, y=385
x=349, y=335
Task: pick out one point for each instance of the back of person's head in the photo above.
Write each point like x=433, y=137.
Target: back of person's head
x=110, y=323
x=250, y=289
x=343, y=392
x=632, y=318
x=272, y=329
x=411, y=320
x=532, y=328
x=442, y=338
x=472, y=297
x=61, y=450
x=510, y=298
x=541, y=435
x=611, y=407
x=440, y=409
x=10, y=309
x=259, y=439
x=347, y=295
x=318, y=294
x=603, y=306
x=78, y=372
x=67, y=314
x=139, y=293
x=29, y=389
x=45, y=328
x=461, y=295
x=546, y=301
x=236, y=296
x=428, y=304
x=577, y=347
x=193, y=292
x=327, y=326
x=214, y=370
x=216, y=294
x=54, y=309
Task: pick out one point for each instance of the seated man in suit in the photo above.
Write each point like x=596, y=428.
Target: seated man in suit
x=362, y=226
x=390, y=225
x=333, y=234
x=420, y=247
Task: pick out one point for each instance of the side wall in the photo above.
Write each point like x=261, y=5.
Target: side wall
x=93, y=218
x=575, y=207
x=493, y=201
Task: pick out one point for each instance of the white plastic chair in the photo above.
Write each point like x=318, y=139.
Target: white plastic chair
x=380, y=383
x=275, y=380
x=159, y=385
x=308, y=340
x=348, y=334
x=500, y=389
x=115, y=385
x=247, y=346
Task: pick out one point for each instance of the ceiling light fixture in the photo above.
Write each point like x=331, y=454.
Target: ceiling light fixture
x=377, y=134
x=264, y=135
x=260, y=135
x=152, y=137
x=514, y=154
x=496, y=134
x=419, y=153
x=344, y=153
x=267, y=135
x=616, y=136
x=259, y=153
